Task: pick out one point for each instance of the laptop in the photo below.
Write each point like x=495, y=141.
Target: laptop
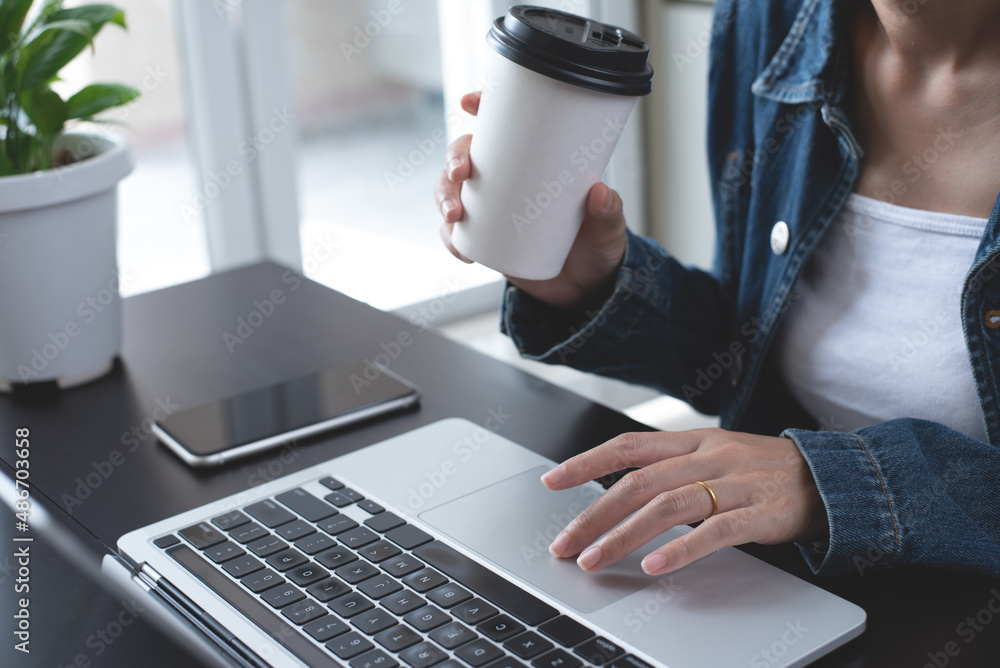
x=429, y=550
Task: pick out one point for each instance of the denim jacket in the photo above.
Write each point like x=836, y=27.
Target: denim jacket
x=782, y=156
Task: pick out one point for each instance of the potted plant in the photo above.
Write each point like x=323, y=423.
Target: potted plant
x=60, y=317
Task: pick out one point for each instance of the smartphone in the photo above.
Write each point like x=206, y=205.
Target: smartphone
x=227, y=429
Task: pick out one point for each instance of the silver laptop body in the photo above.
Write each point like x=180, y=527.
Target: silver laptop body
x=480, y=494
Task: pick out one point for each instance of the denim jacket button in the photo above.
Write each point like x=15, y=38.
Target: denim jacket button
x=779, y=237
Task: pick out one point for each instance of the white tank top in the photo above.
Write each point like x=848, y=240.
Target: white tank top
x=874, y=331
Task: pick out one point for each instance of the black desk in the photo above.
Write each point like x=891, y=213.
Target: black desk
x=93, y=455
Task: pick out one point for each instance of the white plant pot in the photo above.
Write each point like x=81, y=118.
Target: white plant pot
x=60, y=308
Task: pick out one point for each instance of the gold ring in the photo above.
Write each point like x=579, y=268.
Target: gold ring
x=715, y=501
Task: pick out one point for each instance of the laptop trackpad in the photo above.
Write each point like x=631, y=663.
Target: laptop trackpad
x=512, y=522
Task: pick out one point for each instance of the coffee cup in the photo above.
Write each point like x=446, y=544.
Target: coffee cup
x=559, y=89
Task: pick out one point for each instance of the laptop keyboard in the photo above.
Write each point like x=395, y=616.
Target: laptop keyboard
x=378, y=593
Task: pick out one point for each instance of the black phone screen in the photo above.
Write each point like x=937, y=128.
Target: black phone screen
x=255, y=416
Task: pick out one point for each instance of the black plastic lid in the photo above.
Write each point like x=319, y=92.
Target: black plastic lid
x=573, y=49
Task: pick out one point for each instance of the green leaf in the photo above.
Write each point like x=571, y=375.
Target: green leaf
x=6, y=166
x=50, y=50
x=95, y=98
x=46, y=110
x=12, y=13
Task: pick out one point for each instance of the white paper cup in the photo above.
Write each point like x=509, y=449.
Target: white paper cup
x=540, y=144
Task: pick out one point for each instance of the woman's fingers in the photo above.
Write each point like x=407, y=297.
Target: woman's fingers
x=682, y=505
x=658, y=495
x=448, y=189
x=470, y=102
x=446, y=238
x=636, y=449
x=735, y=527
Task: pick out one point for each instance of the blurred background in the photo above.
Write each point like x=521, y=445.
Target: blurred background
x=310, y=132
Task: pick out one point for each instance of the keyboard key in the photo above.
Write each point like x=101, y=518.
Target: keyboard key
x=375, y=658
x=379, y=551
x=565, y=631
x=242, y=566
x=402, y=566
x=224, y=551
x=478, y=652
x=265, y=547
x=370, y=506
x=423, y=655
x=202, y=535
x=424, y=580
x=315, y=543
x=500, y=628
x=379, y=586
x=485, y=582
x=427, y=618
x=269, y=513
x=164, y=542
x=373, y=621
x=474, y=611
x=248, y=532
x=306, y=505
x=358, y=537
x=337, y=557
x=629, y=661
x=294, y=530
x=448, y=595
x=598, y=650
x=328, y=589
x=402, y=602
x=350, y=605
x=452, y=635
x=397, y=638
x=408, y=536
x=383, y=522
x=261, y=580
x=306, y=574
x=506, y=662
x=557, y=658
x=304, y=611
x=349, y=645
x=272, y=624
x=331, y=483
x=528, y=645
x=279, y=597
x=337, y=524
x=282, y=561
x=356, y=572
x=230, y=520
x=351, y=494
x=325, y=628
x=338, y=498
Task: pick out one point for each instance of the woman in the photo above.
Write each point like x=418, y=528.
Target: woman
x=850, y=334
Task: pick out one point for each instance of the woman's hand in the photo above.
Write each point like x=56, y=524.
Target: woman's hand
x=765, y=493
x=589, y=273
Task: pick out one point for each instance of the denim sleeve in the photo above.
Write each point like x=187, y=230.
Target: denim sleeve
x=661, y=324
x=905, y=491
